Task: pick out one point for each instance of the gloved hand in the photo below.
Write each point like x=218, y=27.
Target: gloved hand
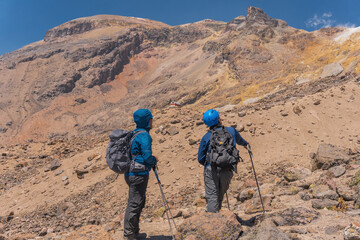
x=155, y=167
x=248, y=147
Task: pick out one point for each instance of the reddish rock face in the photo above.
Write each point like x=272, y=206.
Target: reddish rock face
x=89, y=74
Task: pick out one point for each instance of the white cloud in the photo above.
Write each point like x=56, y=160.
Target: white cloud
x=321, y=21
x=325, y=20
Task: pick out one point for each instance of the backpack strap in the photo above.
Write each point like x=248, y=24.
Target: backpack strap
x=131, y=141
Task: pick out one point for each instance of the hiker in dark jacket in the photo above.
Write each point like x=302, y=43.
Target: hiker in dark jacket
x=217, y=179
x=138, y=176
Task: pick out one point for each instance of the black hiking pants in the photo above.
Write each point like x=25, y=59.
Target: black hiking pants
x=217, y=182
x=136, y=202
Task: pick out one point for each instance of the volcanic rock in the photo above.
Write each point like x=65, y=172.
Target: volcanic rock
x=201, y=226
x=352, y=232
x=331, y=70
x=338, y=171
x=192, y=141
x=246, y=194
x=294, y=174
x=255, y=206
x=344, y=191
x=297, y=216
x=324, y=203
x=173, y=131
x=355, y=179
x=266, y=231
x=55, y=165
x=327, y=156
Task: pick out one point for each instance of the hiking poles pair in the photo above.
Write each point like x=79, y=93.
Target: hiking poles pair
x=257, y=184
x=166, y=205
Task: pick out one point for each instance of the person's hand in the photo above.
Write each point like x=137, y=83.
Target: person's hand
x=248, y=147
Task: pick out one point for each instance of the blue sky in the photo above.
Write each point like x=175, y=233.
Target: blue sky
x=26, y=21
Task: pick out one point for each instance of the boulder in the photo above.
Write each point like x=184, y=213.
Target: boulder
x=266, y=231
x=202, y=227
x=318, y=189
x=242, y=114
x=295, y=174
x=357, y=202
x=355, y=179
x=352, y=232
x=173, y=131
x=337, y=171
x=332, y=70
x=297, y=110
x=324, y=203
x=308, y=181
x=89, y=232
x=55, y=165
x=254, y=205
x=344, y=191
x=246, y=194
x=328, y=156
x=305, y=196
x=330, y=194
x=297, y=216
x=192, y=141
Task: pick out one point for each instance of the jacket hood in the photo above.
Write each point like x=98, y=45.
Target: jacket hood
x=142, y=118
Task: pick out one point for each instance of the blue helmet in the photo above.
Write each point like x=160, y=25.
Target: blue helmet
x=211, y=117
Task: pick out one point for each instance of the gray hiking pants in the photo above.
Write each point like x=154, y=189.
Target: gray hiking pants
x=136, y=202
x=217, y=182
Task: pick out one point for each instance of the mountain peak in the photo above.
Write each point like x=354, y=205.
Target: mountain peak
x=257, y=15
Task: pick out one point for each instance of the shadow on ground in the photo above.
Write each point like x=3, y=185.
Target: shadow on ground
x=250, y=222
x=160, y=237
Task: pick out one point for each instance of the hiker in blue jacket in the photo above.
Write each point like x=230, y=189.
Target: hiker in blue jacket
x=138, y=176
x=217, y=179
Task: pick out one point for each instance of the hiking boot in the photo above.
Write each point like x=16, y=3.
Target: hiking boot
x=130, y=237
x=140, y=236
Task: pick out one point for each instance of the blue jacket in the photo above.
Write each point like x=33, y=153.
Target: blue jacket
x=141, y=145
x=205, y=142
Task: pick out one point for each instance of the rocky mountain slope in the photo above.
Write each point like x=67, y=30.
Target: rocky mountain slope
x=292, y=94
x=89, y=74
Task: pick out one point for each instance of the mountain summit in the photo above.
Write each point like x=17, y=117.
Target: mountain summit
x=257, y=15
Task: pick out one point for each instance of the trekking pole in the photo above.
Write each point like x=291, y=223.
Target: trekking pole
x=166, y=205
x=257, y=184
x=164, y=199
x=227, y=199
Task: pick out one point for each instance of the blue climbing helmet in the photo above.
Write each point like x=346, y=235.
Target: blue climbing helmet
x=211, y=117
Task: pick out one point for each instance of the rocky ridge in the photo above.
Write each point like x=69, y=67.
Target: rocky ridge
x=90, y=71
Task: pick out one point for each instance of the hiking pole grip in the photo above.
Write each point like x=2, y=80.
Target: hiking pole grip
x=156, y=174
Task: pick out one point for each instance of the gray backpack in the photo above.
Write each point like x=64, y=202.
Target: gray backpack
x=222, y=152
x=118, y=152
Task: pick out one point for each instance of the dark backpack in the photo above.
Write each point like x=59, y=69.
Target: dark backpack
x=118, y=152
x=222, y=152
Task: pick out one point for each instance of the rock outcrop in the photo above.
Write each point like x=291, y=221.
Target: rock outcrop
x=202, y=226
x=328, y=156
